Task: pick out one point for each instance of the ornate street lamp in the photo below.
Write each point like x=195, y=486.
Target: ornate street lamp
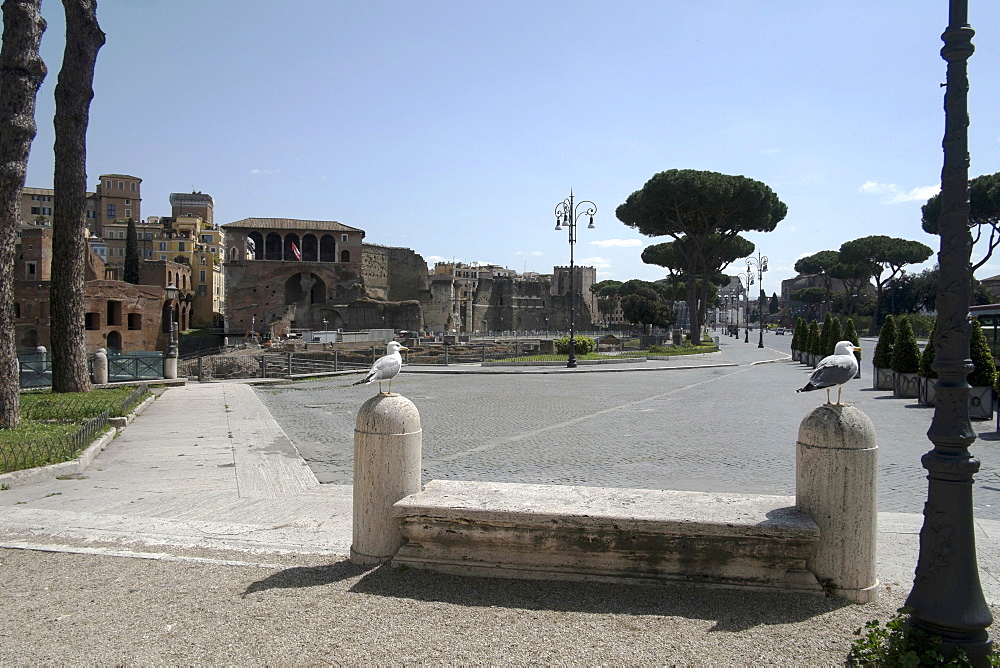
x=566, y=215
x=171, y=292
x=760, y=263
x=947, y=596
x=746, y=316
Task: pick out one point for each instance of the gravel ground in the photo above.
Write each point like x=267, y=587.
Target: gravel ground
x=72, y=609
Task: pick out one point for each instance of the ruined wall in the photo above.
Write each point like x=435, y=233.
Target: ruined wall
x=393, y=273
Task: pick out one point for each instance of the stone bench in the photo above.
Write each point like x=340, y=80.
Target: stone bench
x=617, y=535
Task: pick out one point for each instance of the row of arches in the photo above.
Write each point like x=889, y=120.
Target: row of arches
x=293, y=248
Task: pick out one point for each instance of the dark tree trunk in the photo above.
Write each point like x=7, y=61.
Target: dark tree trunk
x=21, y=74
x=74, y=91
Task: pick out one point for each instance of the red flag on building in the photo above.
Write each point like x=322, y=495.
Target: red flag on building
x=295, y=251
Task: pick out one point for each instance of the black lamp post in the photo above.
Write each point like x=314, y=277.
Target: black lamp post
x=947, y=597
x=746, y=316
x=760, y=263
x=566, y=215
x=171, y=292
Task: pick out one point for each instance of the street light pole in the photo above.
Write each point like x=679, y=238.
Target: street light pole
x=746, y=316
x=947, y=596
x=566, y=215
x=759, y=263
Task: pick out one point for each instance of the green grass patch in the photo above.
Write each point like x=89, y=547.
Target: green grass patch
x=48, y=419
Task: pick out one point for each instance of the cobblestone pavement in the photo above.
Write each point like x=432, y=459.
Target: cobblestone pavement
x=728, y=428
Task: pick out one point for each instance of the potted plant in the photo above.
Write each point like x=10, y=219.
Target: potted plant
x=906, y=361
x=926, y=374
x=813, y=345
x=798, y=336
x=851, y=334
x=981, y=380
x=882, y=357
x=836, y=336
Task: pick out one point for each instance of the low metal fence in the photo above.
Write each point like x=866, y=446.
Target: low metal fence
x=24, y=455
x=140, y=365
x=36, y=370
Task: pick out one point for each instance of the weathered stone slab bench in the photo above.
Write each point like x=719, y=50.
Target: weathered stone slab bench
x=596, y=533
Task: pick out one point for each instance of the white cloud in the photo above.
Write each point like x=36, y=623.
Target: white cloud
x=265, y=171
x=895, y=194
x=535, y=253
x=617, y=243
x=596, y=261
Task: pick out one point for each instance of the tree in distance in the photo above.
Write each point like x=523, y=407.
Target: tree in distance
x=883, y=253
x=697, y=206
x=984, y=213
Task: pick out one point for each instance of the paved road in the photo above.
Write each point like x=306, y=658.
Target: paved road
x=726, y=428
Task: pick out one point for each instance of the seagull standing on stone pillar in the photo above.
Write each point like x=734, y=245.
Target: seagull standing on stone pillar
x=385, y=368
x=834, y=370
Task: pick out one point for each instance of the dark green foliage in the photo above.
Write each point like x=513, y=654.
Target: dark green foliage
x=836, y=336
x=899, y=644
x=851, y=334
x=800, y=334
x=813, y=348
x=906, y=352
x=825, y=343
x=582, y=345
x=927, y=358
x=979, y=352
x=882, y=359
x=131, y=272
x=773, y=306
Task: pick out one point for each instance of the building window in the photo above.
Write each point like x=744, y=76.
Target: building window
x=132, y=185
x=201, y=275
x=135, y=321
x=31, y=269
x=204, y=260
x=163, y=245
x=36, y=211
x=202, y=291
x=128, y=212
x=17, y=310
x=163, y=256
x=149, y=252
x=92, y=321
x=128, y=202
x=91, y=213
x=111, y=211
x=107, y=184
x=180, y=246
x=121, y=185
x=212, y=249
x=206, y=238
x=343, y=238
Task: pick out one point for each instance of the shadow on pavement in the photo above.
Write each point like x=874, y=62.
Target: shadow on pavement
x=729, y=609
x=308, y=576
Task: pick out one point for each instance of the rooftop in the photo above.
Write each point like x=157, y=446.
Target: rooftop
x=291, y=224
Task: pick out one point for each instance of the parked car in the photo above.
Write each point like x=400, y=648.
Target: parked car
x=780, y=330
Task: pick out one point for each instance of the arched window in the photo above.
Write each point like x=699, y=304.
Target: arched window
x=272, y=246
x=255, y=250
x=327, y=248
x=345, y=256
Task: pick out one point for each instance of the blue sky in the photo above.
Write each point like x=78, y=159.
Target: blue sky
x=455, y=128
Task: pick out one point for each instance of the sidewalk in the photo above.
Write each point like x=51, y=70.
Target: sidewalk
x=205, y=479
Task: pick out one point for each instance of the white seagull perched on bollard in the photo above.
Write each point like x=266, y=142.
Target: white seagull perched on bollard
x=834, y=370
x=385, y=368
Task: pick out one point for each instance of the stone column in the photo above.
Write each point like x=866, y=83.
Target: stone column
x=836, y=483
x=387, y=444
x=101, y=367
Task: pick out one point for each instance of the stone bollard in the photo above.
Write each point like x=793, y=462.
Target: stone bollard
x=169, y=367
x=101, y=367
x=836, y=483
x=387, y=458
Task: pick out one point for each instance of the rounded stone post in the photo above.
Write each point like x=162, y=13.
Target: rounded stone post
x=169, y=367
x=101, y=367
x=836, y=483
x=387, y=458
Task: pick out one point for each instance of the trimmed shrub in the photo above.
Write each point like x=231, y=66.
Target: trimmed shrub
x=927, y=358
x=906, y=352
x=836, y=336
x=851, y=334
x=882, y=358
x=825, y=344
x=583, y=345
x=813, y=340
x=800, y=325
x=979, y=351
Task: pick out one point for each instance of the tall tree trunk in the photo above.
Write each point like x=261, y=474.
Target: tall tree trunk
x=74, y=91
x=692, y=300
x=21, y=74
